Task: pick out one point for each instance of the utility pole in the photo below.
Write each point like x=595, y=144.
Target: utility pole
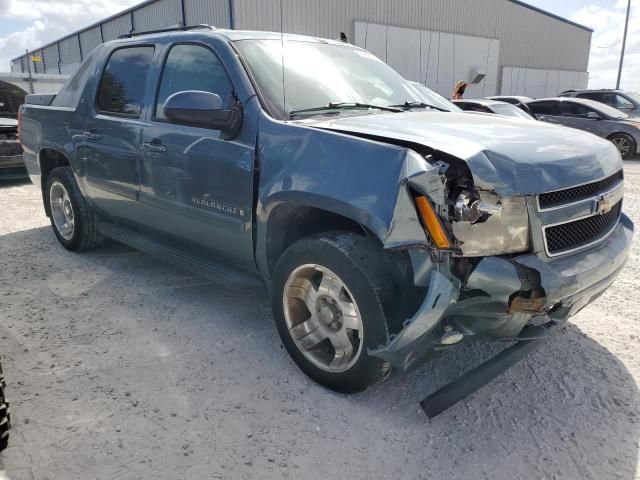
x=624, y=42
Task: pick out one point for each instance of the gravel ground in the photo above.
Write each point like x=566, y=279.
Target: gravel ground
x=120, y=366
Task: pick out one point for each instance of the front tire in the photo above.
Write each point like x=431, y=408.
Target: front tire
x=328, y=301
x=71, y=217
x=625, y=144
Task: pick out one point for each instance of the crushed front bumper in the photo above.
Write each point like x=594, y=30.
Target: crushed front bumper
x=497, y=297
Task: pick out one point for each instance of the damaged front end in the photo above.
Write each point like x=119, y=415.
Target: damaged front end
x=479, y=254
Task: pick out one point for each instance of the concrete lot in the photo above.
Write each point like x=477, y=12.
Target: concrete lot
x=120, y=366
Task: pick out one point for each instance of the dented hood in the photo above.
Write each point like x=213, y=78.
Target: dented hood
x=509, y=156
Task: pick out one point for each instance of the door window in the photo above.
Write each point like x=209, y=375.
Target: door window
x=192, y=67
x=122, y=86
x=544, y=108
x=571, y=109
x=597, y=96
x=621, y=102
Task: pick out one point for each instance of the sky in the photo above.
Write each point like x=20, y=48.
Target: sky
x=33, y=23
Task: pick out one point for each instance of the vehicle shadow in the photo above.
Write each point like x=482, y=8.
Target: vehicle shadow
x=13, y=182
x=570, y=410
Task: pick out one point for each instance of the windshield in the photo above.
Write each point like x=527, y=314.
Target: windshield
x=434, y=98
x=633, y=96
x=602, y=108
x=317, y=74
x=509, y=110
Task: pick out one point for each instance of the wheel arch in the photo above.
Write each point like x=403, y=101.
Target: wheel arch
x=49, y=158
x=289, y=222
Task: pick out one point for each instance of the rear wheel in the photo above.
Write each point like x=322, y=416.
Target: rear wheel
x=72, y=220
x=625, y=144
x=5, y=419
x=328, y=306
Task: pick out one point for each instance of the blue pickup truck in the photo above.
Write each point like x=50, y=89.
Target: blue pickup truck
x=386, y=227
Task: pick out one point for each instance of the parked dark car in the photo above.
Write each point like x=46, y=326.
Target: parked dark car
x=11, y=164
x=594, y=117
x=492, y=106
x=518, y=101
x=623, y=100
x=386, y=229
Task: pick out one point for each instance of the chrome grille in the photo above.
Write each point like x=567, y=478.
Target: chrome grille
x=581, y=233
x=581, y=192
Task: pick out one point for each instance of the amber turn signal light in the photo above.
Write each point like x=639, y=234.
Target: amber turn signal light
x=432, y=223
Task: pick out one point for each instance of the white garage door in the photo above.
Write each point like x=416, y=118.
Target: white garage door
x=536, y=83
x=437, y=59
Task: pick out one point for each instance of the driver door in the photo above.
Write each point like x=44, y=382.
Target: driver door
x=197, y=187
x=576, y=115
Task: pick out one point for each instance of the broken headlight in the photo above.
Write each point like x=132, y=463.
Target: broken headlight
x=486, y=224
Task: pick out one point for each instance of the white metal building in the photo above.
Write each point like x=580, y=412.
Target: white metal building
x=519, y=49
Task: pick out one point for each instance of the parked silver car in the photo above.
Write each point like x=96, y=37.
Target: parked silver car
x=518, y=101
x=626, y=101
x=594, y=117
x=492, y=106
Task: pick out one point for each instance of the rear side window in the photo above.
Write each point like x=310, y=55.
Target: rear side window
x=544, y=108
x=572, y=109
x=122, y=86
x=69, y=95
x=597, y=96
x=192, y=67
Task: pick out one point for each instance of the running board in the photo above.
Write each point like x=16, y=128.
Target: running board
x=465, y=385
x=220, y=272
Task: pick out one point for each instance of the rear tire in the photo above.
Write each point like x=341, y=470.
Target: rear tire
x=327, y=300
x=625, y=144
x=71, y=217
x=5, y=418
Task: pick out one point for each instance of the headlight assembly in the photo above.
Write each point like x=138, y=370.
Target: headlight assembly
x=491, y=225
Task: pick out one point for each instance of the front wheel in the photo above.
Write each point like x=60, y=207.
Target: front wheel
x=328, y=306
x=625, y=144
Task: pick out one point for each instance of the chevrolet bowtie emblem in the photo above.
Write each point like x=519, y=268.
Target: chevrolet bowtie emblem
x=603, y=206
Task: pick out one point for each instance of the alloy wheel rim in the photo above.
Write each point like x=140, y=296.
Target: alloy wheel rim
x=323, y=318
x=61, y=210
x=622, y=144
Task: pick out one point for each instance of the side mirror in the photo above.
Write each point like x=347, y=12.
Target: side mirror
x=203, y=109
x=593, y=116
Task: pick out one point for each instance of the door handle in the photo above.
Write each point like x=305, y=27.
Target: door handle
x=154, y=146
x=91, y=134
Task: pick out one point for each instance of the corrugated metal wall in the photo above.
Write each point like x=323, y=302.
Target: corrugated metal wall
x=528, y=39
x=50, y=59
x=70, y=56
x=159, y=14
x=211, y=12
x=116, y=27
x=90, y=39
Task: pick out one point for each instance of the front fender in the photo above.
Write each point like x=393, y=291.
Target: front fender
x=350, y=176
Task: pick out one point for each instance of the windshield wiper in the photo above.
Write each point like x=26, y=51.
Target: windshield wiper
x=345, y=106
x=408, y=105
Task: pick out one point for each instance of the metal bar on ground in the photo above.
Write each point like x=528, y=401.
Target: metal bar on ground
x=465, y=385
